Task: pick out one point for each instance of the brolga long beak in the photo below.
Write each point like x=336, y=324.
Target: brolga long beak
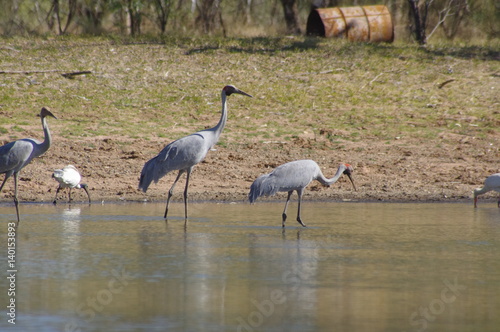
x=242, y=93
x=352, y=181
x=348, y=172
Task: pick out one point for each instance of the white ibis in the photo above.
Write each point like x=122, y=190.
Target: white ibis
x=69, y=177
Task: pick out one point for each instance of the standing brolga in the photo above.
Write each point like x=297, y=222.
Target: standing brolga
x=184, y=153
x=492, y=183
x=294, y=176
x=70, y=178
x=15, y=155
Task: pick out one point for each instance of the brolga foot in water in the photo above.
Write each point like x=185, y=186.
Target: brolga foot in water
x=299, y=219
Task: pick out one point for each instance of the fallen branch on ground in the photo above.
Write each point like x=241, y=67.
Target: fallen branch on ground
x=440, y=86
x=26, y=72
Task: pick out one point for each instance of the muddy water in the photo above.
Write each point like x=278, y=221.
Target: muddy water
x=356, y=267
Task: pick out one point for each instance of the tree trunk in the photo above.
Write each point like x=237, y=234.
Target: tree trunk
x=208, y=13
x=419, y=23
x=291, y=16
x=162, y=13
x=135, y=17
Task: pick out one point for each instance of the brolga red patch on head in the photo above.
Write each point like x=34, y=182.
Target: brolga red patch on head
x=348, y=169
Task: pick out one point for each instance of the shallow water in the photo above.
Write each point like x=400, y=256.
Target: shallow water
x=356, y=267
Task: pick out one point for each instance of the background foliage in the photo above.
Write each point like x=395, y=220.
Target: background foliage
x=467, y=19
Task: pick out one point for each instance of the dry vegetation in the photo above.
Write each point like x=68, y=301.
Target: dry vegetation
x=416, y=124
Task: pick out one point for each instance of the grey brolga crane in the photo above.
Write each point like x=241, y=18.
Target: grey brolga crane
x=492, y=183
x=70, y=178
x=15, y=155
x=294, y=176
x=184, y=153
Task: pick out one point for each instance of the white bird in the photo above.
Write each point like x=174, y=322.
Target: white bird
x=69, y=177
x=184, y=153
x=492, y=182
x=294, y=176
x=15, y=155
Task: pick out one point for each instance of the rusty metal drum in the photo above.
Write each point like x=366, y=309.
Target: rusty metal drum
x=366, y=23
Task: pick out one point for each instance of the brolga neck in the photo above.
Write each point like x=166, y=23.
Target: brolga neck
x=328, y=182
x=44, y=146
x=223, y=118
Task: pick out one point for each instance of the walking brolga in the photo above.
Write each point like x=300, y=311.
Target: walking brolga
x=492, y=183
x=15, y=155
x=294, y=176
x=184, y=153
x=70, y=178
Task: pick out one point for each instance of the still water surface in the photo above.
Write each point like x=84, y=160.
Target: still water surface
x=356, y=267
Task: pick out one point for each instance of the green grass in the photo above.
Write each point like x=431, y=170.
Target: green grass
x=167, y=87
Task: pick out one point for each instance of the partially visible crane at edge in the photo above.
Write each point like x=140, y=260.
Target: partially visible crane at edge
x=70, y=178
x=184, y=153
x=14, y=156
x=492, y=183
x=294, y=176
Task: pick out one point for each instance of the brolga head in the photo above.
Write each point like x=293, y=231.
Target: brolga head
x=348, y=171
x=45, y=112
x=230, y=89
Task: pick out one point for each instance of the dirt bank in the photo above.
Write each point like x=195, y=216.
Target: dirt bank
x=399, y=170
